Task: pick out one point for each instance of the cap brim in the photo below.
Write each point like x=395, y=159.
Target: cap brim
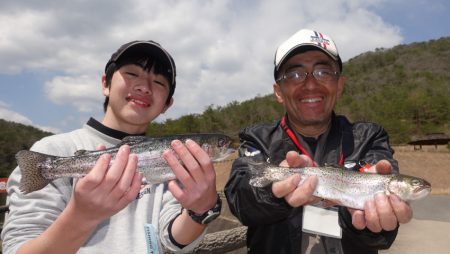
x=303, y=48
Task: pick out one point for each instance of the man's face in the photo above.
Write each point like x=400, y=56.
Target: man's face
x=309, y=104
x=136, y=97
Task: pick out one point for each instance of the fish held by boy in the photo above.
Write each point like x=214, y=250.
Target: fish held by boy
x=39, y=169
x=344, y=187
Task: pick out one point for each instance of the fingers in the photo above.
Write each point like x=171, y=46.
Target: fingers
x=193, y=165
x=106, y=189
x=126, y=179
x=388, y=220
x=195, y=170
x=115, y=179
x=294, y=159
x=96, y=175
x=282, y=188
x=382, y=213
x=183, y=175
x=101, y=147
x=295, y=194
x=116, y=170
x=133, y=190
x=201, y=161
x=402, y=210
x=295, y=190
x=358, y=218
x=383, y=167
x=379, y=214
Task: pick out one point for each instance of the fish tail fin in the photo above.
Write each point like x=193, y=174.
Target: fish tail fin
x=30, y=166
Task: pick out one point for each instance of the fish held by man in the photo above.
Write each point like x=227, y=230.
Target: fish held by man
x=39, y=169
x=345, y=187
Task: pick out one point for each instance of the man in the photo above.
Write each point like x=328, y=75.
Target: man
x=308, y=84
x=108, y=211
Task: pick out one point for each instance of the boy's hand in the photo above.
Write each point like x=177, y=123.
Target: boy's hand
x=105, y=190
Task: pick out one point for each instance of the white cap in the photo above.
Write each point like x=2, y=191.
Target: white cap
x=305, y=38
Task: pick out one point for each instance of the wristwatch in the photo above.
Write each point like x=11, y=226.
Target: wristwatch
x=209, y=215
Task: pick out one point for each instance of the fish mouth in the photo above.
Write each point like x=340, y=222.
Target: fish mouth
x=225, y=152
x=221, y=153
x=422, y=191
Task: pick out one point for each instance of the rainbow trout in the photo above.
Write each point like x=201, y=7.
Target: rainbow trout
x=39, y=169
x=345, y=187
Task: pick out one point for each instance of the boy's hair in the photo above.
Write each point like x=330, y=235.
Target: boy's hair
x=146, y=54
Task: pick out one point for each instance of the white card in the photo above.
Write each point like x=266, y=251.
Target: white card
x=321, y=221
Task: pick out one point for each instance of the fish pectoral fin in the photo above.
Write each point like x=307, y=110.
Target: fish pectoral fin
x=132, y=140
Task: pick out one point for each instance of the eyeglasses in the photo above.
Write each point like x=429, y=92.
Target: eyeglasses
x=297, y=77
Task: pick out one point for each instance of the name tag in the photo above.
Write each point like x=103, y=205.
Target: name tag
x=321, y=221
x=151, y=239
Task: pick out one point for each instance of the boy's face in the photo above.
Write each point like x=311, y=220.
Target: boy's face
x=136, y=97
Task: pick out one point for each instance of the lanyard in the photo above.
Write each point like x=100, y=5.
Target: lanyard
x=297, y=143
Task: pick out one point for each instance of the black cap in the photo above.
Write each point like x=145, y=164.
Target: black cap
x=151, y=48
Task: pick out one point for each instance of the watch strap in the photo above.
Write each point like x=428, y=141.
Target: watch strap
x=209, y=215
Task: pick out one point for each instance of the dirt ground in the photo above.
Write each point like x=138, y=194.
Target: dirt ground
x=429, y=163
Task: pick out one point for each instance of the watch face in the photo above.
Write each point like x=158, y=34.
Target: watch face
x=210, y=217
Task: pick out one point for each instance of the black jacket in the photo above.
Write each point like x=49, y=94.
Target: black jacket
x=276, y=227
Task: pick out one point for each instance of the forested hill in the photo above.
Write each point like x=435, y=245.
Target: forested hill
x=405, y=88
x=13, y=138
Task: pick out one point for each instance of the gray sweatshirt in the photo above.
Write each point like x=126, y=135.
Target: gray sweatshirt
x=125, y=232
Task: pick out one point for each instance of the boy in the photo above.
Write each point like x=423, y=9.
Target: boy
x=108, y=211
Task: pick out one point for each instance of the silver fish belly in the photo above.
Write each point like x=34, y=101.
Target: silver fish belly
x=40, y=169
x=345, y=187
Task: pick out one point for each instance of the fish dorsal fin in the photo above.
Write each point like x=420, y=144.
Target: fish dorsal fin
x=132, y=140
x=81, y=152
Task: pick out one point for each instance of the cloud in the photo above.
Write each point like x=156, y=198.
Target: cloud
x=9, y=115
x=223, y=48
x=82, y=92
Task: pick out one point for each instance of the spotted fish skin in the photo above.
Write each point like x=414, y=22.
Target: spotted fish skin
x=344, y=187
x=39, y=169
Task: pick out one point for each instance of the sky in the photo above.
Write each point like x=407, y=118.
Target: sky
x=53, y=53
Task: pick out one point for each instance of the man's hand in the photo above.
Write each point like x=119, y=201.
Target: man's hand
x=296, y=195
x=383, y=212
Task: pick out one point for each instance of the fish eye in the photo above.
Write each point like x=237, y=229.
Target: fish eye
x=221, y=142
x=415, y=182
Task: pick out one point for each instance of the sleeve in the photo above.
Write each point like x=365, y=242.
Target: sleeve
x=170, y=210
x=31, y=214
x=252, y=206
x=372, y=145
